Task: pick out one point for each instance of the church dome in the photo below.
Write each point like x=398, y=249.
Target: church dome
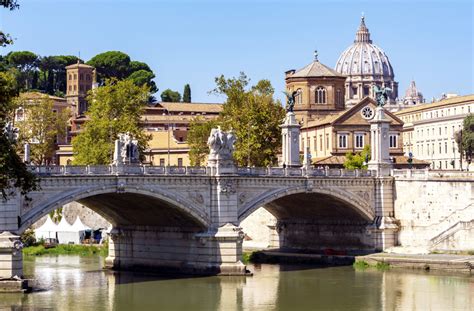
x=363, y=58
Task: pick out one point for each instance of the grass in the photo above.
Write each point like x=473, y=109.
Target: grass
x=69, y=249
x=247, y=257
x=363, y=265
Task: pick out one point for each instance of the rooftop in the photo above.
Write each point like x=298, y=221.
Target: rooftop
x=445, y=102
x=190, y=107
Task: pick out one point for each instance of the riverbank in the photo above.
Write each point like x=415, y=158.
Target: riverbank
x=67, y=249
x=445, y=262
x=281, y=257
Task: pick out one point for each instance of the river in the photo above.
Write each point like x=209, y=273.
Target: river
x=79, y=283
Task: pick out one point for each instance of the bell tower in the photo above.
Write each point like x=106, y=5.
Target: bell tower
x=80, y=80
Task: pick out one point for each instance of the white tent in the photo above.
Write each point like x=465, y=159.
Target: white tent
x=66, y=234
x=80, y=228
x=47, y=231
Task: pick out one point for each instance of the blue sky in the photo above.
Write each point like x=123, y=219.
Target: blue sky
x=195, y=41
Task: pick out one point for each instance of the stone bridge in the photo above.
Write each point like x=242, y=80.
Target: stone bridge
x=187, y=218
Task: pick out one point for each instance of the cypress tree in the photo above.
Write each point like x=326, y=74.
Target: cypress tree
x=187, y=94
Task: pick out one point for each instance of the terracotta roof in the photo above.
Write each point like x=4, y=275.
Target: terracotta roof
x=38, y=95
x=445, y=102
x=316, y=69
x=328, y=119
x=79, y=65
x=192, y=107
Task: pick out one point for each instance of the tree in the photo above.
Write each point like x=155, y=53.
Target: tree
x=13, y=172
x=26, y=63
x=6, y=39
x=111, y=64
x=465, y=138
x=199, y=130
x=358, y=160
x=170, y=96
x=187, y=94
x=254, y=116
x=115, y=108
x=40, y=127
x=142, y=77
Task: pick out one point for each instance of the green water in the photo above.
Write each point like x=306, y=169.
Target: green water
x=79, y=283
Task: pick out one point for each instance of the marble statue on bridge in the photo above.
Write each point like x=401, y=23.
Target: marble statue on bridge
x=126, y=150
x=221, y=149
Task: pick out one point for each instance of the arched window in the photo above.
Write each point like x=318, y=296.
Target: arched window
x=299, y=96
x=320, y=95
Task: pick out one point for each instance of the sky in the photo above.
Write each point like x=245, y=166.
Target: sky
x=193, y=42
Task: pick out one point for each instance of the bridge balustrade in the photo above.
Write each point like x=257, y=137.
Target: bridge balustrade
x=201, y=171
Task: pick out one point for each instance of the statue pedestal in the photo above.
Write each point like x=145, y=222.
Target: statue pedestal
x=290, y=131
x=380, y=154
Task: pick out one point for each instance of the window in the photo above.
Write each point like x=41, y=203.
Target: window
x=327, y=141
x=393, y=140
x=75, y=88
x=439, y=131
x=320, y=95
x=445, y=130
x=308, y=143
x=162, y=162
x=314, y=143
x=20, y=114
x=359, y=140
x=339, y=97
x=342, y=140
x=354, y=92
x=366, y=91
x=81, y=87
x=180, y=161
x=88, y=77
x=299, y=96
x=321, y=142
x=70, y=77
x=446, y=147
x=81, y=77
x=75, y=76
x=439, y=148
x=70, y=88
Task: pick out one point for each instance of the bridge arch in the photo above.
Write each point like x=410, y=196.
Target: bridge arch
x=157, y=202
x=363, y=209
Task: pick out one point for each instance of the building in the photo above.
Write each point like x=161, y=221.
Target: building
x=412, y=96
x=168, y=124
x=36, y=98
x=365, y=65
x=319, y=91
x=328, y=140
x=428, y=131
x=80, y=80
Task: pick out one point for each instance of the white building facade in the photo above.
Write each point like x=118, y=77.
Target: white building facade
x=428, y=131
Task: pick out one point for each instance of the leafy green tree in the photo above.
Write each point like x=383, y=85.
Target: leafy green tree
x=465, y=138
x=187, y=94
x=26, y=63
x=6, y=39
x=136, y=66
x=111, y=64
x=170, y=96
x=199, y=130
x=255, y=117
x=40, y=127
x=142, y=77
x=115, y=108
x=358, y=160
x=13, y=172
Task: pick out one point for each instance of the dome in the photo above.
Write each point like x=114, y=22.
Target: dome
x=363, y=58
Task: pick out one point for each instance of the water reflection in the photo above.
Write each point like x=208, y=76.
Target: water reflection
x=78, y=283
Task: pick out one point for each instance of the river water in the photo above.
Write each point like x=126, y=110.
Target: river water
x=79, y=283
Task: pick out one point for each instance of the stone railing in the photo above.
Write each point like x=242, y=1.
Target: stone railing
x=66, y=170
x=432, y=174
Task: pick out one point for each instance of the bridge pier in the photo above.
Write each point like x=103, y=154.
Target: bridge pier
x=177, y=250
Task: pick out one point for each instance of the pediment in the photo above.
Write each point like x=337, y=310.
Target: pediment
x=353, y=116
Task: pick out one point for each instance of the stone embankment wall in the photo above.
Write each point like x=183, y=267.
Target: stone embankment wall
x=435, y=210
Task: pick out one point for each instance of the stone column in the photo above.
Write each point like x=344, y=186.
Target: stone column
x=379, y=142
x=290, y=131
x=11, y=256
x=385, y=226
